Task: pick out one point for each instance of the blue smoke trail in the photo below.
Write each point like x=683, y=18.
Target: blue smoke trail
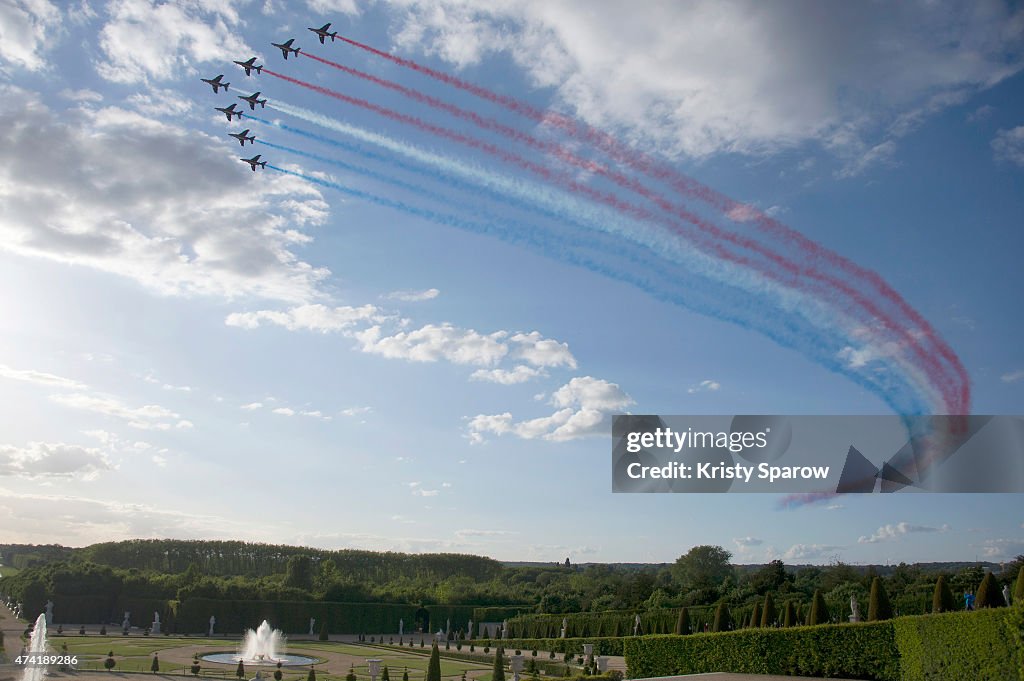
x=608, y=254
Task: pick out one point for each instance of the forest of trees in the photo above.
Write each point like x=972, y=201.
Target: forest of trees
x=178, y=570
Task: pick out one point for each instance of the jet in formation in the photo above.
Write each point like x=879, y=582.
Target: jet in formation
x=242, y=138
x=286, y=47
x=254, y=161
x=253, y=100
x=250, y=65
x=229, y=111
x=325, y=32
x=216, y=83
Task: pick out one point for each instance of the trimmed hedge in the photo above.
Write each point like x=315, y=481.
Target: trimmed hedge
x=985, y=645
x=863, y=651
x=611, y=622
x=958, y=645
x=234, y=616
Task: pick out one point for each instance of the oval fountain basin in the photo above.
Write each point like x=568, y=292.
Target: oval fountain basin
x=285, y=660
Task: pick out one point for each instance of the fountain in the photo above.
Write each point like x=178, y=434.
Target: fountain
x=36, y=647
x=261, y=646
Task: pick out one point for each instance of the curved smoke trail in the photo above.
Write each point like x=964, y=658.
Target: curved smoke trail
x=719, y=286
x=956, y=387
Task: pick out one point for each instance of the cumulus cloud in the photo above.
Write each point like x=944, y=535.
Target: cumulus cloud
x=747, y=542
x=27, y=29
x=809, y=551
x=434, y=342
x=705, y=77
x=518, y=374
x=583, y=408
x=83, y=188
x=1008, y=145
x=144, y=40
x=1012, y=376
x=39, y=378
x=541, y=352
x=892, y=532
x=413, y=296
x=356, y=411
x=53, y=460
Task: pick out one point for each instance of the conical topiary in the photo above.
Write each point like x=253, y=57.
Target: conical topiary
x=499, y=665
x=942, y=597
x=989, y=595
x=723, y=620
x=434, y=666
x=879, y=607
x=683, y=623
x=755, y=615
x=819, y=610
x=789, y=615
x=768, y=613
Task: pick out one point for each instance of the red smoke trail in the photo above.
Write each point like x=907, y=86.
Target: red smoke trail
x=959, y=400
x=934, y=369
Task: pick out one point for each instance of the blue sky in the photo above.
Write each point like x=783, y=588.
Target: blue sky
x=189, y=349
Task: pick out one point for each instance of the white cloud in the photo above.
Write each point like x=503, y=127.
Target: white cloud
x=53, y=460
x=1012, y=376
x=184, y=424
x=518, y=374
x=27, y=29
x=252, y=406
x=83, y=95
x=39, y=377
x=809, y=551
x=1008, y=145
x=150, y=416
x=356, y=411
x=747, y=542
x=147, y=40
x=314, y=317
x=692, y=77
x=466, y=533
x=420, y=492
x=85, y=188
x=434, y=342
x=285, y=411
x=413, y=296
x=1002, y=549
x=834, y=507
x=541, y=352
x=705, y=386
x=583, y=407
x=891, y=532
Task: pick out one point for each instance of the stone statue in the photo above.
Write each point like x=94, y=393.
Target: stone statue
x=855, y=609
x=448, y=626
x=213, y=620
x=156, y=617
x=504, y=629
x=127, y=621
x=565, y=627
x=1006, y=594
x=49, y=612
x=469, y=630
x=401, y=627
x=258, y=677
x=636, y=625
x=312, y=621
x=155, y=627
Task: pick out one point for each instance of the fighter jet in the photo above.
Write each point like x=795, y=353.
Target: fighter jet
x=241, y=137
x=253, y=100
x=216, y=83
x=250, y=65
x=254, y=161
x=229, y=111
x=287, y=47
x=324, y=32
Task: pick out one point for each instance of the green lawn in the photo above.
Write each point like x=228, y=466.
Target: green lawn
x=135, y=654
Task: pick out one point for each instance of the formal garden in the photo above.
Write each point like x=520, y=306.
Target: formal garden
x=131, y=613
